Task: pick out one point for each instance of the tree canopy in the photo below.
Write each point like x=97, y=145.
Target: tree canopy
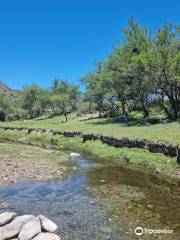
x=141, y=73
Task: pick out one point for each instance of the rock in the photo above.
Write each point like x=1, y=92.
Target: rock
x=47, y=225
x=4, y=205
x=46, y=236
x=73, y=154
x=105, y=229
x=7, y=217
x=13, y=228
x=24, y=139
x=150, y=206
x=26, y=227
x=157, y=170
x=30, y=229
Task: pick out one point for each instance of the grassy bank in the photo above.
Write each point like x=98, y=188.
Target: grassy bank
x=169, y=133
x=101, y=151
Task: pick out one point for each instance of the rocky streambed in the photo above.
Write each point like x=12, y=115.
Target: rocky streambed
x=26, y=227
x=22, y=162
x=98, y=200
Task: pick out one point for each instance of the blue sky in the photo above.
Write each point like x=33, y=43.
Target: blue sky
x=44, y=39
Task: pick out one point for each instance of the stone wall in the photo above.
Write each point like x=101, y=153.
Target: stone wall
x=155, y=147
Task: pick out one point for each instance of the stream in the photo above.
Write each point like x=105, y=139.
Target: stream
x=101, y=201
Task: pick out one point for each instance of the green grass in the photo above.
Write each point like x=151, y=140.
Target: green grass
x=162, y=132
x=31, y=153
x=103, y=152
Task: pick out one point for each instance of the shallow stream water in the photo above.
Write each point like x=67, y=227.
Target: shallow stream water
x=101, y=201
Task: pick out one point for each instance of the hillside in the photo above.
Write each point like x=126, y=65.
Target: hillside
x=7, y=91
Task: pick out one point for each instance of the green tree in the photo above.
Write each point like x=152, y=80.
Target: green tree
x=5, y=106
x=64, y=97
x=29, y=97
x=167, y=65
x=42, y=102
x=96, y=88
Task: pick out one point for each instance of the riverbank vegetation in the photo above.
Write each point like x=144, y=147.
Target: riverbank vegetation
x=134, y=129
x=103, y=152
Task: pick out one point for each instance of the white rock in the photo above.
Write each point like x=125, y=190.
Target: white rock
x=47, y=225
x=158, y=170
x=46, y=236
x=7, y=217
x=13, y=228
x=30, y=229
x=73, y=154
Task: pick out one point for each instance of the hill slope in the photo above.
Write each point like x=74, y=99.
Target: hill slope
x=7, y=91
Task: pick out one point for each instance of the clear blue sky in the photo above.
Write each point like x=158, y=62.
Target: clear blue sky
x=43, y=39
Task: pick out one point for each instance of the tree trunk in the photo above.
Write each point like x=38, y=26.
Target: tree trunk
x=100, y=106
x=123, y=107
x=145, y=110
x=175, y=110
x=100, y=112
x=2, y=116
x=65, y=114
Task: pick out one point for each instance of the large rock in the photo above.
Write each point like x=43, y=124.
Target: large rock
x=47, y=225
x=30, y=229
x=46, y=236
x=7, y=217
x=13, y=228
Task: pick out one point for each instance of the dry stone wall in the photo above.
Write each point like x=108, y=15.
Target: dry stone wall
x=152, y=146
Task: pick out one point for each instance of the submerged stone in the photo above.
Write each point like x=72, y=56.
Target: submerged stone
x=105, y=229
x=4, y=205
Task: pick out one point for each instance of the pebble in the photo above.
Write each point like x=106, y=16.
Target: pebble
x=102, y=180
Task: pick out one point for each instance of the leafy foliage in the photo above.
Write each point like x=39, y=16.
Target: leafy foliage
x=141, y=74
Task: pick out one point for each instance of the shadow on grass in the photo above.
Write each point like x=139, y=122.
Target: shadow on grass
x=126, y=123
x=100, y=121
x=117, y=121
